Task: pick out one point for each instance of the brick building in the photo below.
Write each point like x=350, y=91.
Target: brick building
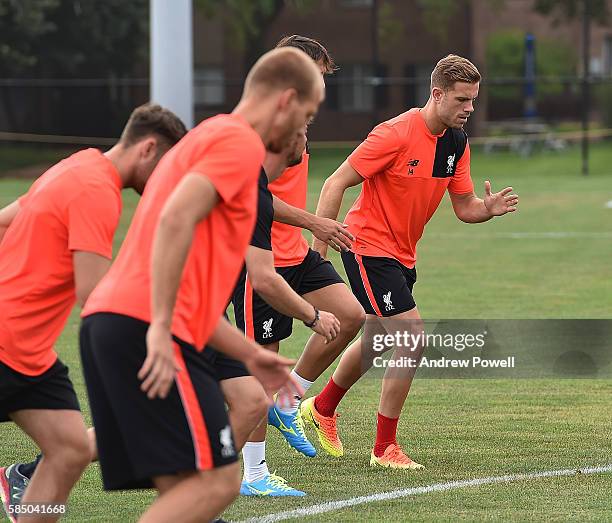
x=372, y=84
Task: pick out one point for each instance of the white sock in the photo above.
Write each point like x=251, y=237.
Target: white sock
x=254, y=457
x=295, y=402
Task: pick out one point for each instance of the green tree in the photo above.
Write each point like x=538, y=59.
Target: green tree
x=569, y=9
x=437, y=15
x=22, y=24
x=506, y=57
x=70, y=39
x=96, y=38
x=247, y=20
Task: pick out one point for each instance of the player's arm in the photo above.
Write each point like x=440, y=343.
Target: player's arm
x=269, y=368
x=89, y=268
x=7, y=215
x=273, y=288
x=331, y=197
x=330, y=231
x=190, y=202
x=93, y=216
x=471, y=209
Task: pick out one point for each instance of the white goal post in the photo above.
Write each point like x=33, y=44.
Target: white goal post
x=172, y=56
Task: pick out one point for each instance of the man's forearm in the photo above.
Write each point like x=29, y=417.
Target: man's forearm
x=277, y=293
x=475, y=212
x=285, y=213
x=330, y=200
x=231, y=341
x=170, y=250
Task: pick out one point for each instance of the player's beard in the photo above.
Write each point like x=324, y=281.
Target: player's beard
x=454, y=123
x=462, y=121
x=279, y=144
x=296, y=160
x=274, y=146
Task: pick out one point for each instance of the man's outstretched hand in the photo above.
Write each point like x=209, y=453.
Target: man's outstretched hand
x=333, y=233
x=273, y=372
x=501, y=202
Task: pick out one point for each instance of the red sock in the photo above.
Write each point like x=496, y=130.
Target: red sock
x=328, y=399
x=386, y=432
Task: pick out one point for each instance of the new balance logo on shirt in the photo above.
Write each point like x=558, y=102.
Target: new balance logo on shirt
x=388, y=303
x=411, y=164
x=267, y=327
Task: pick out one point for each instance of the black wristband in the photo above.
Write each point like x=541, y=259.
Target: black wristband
x=311, y=324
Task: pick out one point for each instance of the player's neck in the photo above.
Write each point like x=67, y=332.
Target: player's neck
x=274, y=165
x=118, y=156
x=433, y=123
x=258, y=115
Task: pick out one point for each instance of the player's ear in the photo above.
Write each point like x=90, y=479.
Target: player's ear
x=286, y=98
x=148, y=148
x=437, y=94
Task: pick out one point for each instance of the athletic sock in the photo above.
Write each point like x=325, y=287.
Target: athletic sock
x=329, y=398
x=295, y=401
x=254, y=457
x=386, y=434
x=27, y=469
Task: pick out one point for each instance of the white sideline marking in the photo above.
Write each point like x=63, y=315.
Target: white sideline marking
x=414, y=491
x=556, y=235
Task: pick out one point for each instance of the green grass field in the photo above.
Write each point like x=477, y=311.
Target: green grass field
x=460, y=429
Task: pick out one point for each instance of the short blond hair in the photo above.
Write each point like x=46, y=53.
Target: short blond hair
x=285, y=68
x=451, y=69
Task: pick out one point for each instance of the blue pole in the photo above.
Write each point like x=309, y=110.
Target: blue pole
x=530, y=77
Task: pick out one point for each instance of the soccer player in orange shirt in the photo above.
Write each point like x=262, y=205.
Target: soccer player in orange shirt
x=405, y=165
x=157, y=407
x=310, y=276
x=244, y=395
x=55, y=245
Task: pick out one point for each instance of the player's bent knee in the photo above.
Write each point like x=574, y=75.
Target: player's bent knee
x=224, y=481
x=252, y=410
x=250, y=404
x=71, y=458
x=258, y=406
x=353, y=319
x=71, y=443
x=79, y=452
x=359, y=316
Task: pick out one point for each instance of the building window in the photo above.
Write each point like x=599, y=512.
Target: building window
x=356, y=88
x=356, y=3
x=417, y=84
x=410, y=86
x=607, y=56
x=421, y=74
x=209, y=88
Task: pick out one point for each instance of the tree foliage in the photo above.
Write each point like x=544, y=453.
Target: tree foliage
x=506, y=57
x=390, y=27
x=437, y=15
x=72, y=37
x=247, y=20
x=569, y=9
x=22, y=24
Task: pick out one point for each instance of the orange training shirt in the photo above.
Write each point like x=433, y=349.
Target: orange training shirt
x=74, y=206
x=288, y=244
x=406, y=171
x=229, y=153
